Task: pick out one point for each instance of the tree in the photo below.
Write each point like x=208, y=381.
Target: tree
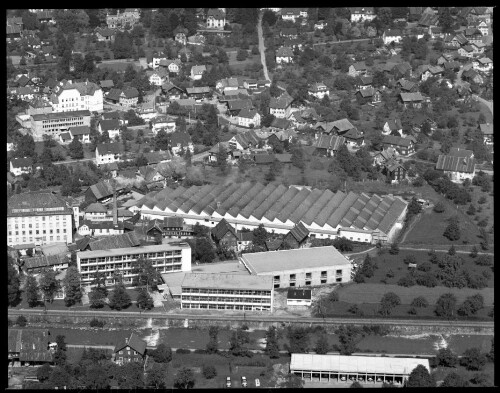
x=348, y=338
x=49, y=285
x=213, y=343
x=260, y=235
x=156, y=376
x=471, y=305
x=119, y=298
x=446, y=358
x=343, y=244
x=473, y=252
x=162, y=354
x=291, y=381
x=322, y=346
x=72, y=286
x=439, y=208
x=144, y=300
x=184, y=379
x=13, y=283
x=394, y=250
x=241, y=55
x=356, y=385
x=32, y=291
x=272, y=347
x=145, y=273
x=446, y=305
x=221, y=157
x=130, y=376
x=420, y=377
x=473, y=360
x=59, y=378
x=99, y=292
x=237, y=341
x=60, y=354
x=454, y=380
x=43, y=373
x=452, y=231
x=21, y=321
x=388, y=302
x=420, y=301
x=96, y=378
x=75, y=149
x=209, y=371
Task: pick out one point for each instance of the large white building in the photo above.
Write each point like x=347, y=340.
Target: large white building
x=279, y=208
x=300, y=267
x=226, y=292
x=38, y=218
x=77, y=97
x=365, y=369
x=167, y=258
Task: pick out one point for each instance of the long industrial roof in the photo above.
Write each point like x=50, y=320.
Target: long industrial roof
x=279, y=205
x=361, y=364
x=302, y=258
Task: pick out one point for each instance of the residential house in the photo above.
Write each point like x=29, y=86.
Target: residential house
x=431, y=71
x=354, y=138
x=170, y=66
x=13, y=33
x=227, y=84
x=102, y=192
x=297, y=237
x=216, y=19
x=153, y=59
x=284, y=55
x=18, y=166
x=279, y=124
x=10, y=143
x=235, y=106
x=369, y=95
x=250, y=84
x=186, y=52
x=299, y=297
x=65, y=138
x=165, y=123
x=428, y=20
x=414, y=100
x=472, y=76
x=214, y=151
x=29, y=347
x=180, y=141
x=292, y=14
x=457, y=168
x=197, y=39
x=199, y=93
x=357, y=69
x=129, y=97
x=244, y=141
x=452, y=65
x=403, y=146
x=466, y=51
x=483, y=27
x=180, y=35
x=224, y=234
x=328, y=145
x=473, y=35
x=127, y=18
x=302, y=118
x=361, y=14
x=477, y=48
x=320, y=25
x=394, y=171
x=385, y=155
x=197, y=72
x=157, y=78
x=435, y=32
x=392, y=35
x=82, y=133
x=293, y=43
x=282, y=106
x=171, y=91
x=156, y=157
x=106, y=153
x=402, y=70
x=289, y=32
x=319, y=90
x=391, y=126
x=107, y=85
x=105, y=34
x=365, y=82
x=487, y=130
x=407, y=86
x=112, y=126
x=249, y=118
x=132, y=349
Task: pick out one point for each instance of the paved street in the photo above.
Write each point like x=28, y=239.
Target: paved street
x=262, y=48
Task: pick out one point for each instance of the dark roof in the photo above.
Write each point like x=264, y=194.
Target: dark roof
x=333, y=142
x=45, y=261
x=299, y=232
x=280, y=123
x=124, y=240
x=82, y=244
x=109, y=148
x=273, y=244
x=264, y=158
x=79, y=130
x=114, y=94
x=455, y=164
x=221, y=229
x=299, y=294
x=179, y=138
x=96, y=208
x=173, y=222
x=284, y=158
x=457, y=152
x=282, y=102
x=155, y=157
x=37, y=200
x=134, y=342
x=108, y=83
x=60, y=115
x=394, y=124
x=101, y=190
x=110, y=115
x=396, y=140
x=23, y=162
x=31, y=344
x=131, y=92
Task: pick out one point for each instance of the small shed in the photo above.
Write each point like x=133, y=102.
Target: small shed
x=299, y=297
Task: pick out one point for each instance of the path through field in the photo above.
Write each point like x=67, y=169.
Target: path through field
x=262, y=48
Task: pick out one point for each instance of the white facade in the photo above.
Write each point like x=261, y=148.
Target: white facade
x=18, y=171
x=72, y=100
x=168, y=126
x=39, y=229
x=106, y=158
x=246, y=122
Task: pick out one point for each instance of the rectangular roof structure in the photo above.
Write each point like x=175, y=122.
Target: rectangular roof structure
x=226, y=281
x=361, y=364
x=455, y=164
x=32, y=344
x=60, y=115
x=302, y=258
x=132, y=250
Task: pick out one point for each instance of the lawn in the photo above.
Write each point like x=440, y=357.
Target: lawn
x=441, y=372
x=372, y=293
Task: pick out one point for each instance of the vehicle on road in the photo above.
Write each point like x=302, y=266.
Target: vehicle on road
x=228, y=382
x=244, y=382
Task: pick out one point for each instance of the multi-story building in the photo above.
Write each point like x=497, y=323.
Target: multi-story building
x=281, y=107
x=166, y=258
x=77, y=97
x=362, y=14
x=227, y=292
x=216, y=19
x=126, y=19
x=106, y=153
x=40, y=218
x=300, y=267
x=18, y=166
x=248, y=117
x=56, y=122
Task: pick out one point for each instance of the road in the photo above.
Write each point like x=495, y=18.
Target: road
x=262, y=48
x=72, y=161
x=256, y=318
x=340, y=42
x=489, y=104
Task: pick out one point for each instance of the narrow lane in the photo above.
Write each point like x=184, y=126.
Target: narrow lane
x=262, y=48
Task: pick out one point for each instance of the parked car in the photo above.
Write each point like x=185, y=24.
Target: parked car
x=244, y=382
x=228, y=382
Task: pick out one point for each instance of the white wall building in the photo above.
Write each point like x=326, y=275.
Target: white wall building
x=77, y=97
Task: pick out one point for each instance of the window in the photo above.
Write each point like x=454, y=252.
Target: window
x=276, y=285
x=292, y=277
x=308, y=282
x=323, y=281
x=308, y=275
x=292, y=284
x=338, y=272
x=338, y=279
x=121, y=352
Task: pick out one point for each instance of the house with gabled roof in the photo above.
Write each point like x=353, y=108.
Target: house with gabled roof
x=172, y=66
x=244, y=141
x=107, y=84
x=414, y=100
x=466, y=51
x=392, y=125
x=129, y=97
x=197, y=72
x=216, y=19
x=248, y=118
x=165, y=123
x=18, y=166
x=457, y=168
x=473, y=35
x=297, y=237
x=392, y=35
x=432, y=71
x=487, y=130
x=82, y=133
x=282, y=106
x=171, y=91
x=406, y=85
x=365, y=82
x=428, y=19
x=158, y=77
x=358, y=69
x=328, y=145
x=369, y=95
x=403, y=146
x=279, y=124
x=354, y=138
x=394, y=171
x=361, y=14
x=225, y=234
x=111, y=126
x=180, y=141
x=289, y=32
x=284, y=55
x=29, y=346
x=105, y=34
x=318, y=90
x=473, y=76
x=100, y=192
x=131, y=349
x=106, y=153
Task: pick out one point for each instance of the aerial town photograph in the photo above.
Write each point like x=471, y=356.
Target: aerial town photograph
x=231, y=198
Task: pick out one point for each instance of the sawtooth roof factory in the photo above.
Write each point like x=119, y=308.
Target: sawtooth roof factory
x=358, y=217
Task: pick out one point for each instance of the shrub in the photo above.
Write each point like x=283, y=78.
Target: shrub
x=425, y=266
x=420, y=301
x=389, y=273
x=410, y=259
x=446, y=305
x=200, y=351
x=407, y=281
x=96, y=323
x=481, y=200
x=209, y=371
x=244, y=327
x=394, y=250
x=9, y=322
x=354, y=309
x=446, y=358
x=473, y=360
x=333, y=296
x=21, y=321
x=412, y=311
x=471, y=305
x=439, y=208
x=484, y=260
x=427, y=279
x=182, y=351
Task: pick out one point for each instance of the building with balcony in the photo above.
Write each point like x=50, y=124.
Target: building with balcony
x=167, y=258
x=227, y=292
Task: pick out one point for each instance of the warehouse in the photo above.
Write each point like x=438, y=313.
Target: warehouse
x=227, y=292
x=366, y=369
x=300, y=267
x=280, y=208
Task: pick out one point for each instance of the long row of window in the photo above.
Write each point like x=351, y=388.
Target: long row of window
x=37, y=232
x=31, y=239
x=226, y=291
x=226, y=299
x=165, y=269
x=113, y=266
x=226, y=306
x=50, y=127
x=129, y=257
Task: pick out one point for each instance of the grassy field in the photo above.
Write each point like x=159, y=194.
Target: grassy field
x=119, y=65
x=372, y=293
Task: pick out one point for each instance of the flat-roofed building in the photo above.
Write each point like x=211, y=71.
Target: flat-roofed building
x=227, y=292
x=166, y=258
x=300, y=267
x=54, y=123
x=366, y=369
x=299, y=297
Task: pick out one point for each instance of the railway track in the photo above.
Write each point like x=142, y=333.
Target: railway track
x=258, y=318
